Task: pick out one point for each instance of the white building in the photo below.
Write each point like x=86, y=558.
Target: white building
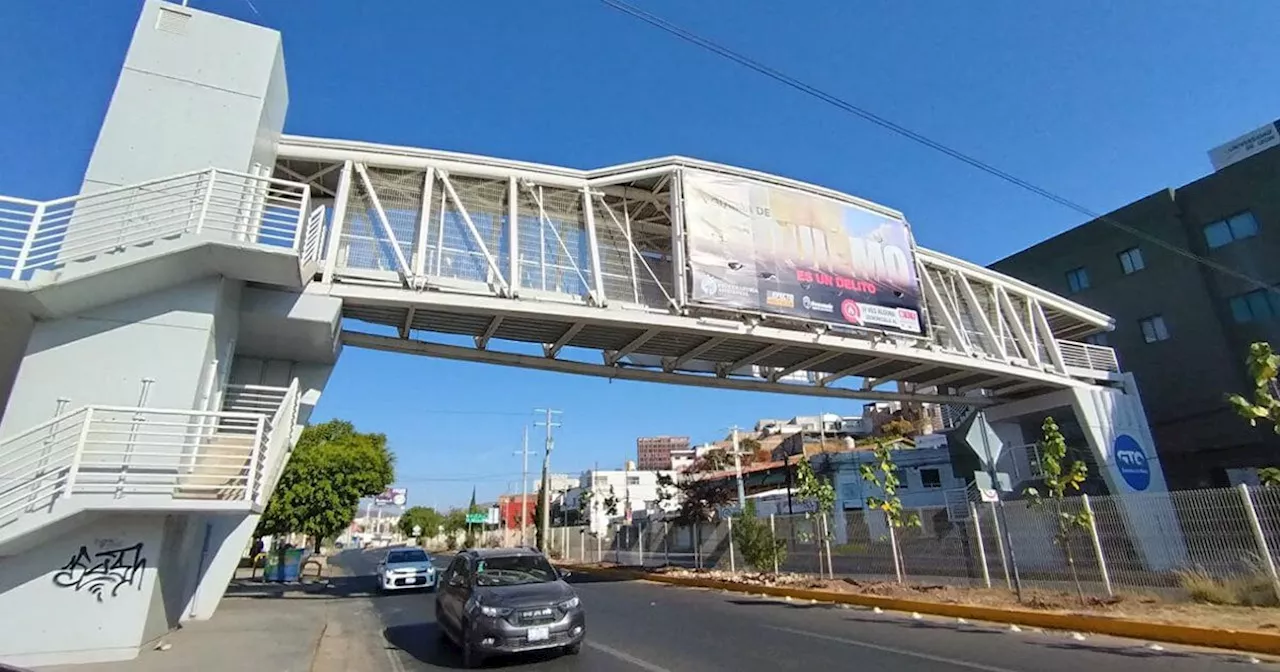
x=637, y=493
x=925, y=475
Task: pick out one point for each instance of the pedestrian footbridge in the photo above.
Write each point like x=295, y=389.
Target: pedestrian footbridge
x=166, y=332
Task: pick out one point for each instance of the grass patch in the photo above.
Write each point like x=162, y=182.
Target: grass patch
x=1251, y=588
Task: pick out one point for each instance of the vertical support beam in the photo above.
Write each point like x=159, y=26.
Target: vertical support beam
x=513, y=223
x=424, y=224
x=589, y=215
x=338, y=222
x=631, y=247
x=680, y=280
x=440, y=235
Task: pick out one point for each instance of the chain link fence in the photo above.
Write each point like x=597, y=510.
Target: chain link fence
x=1216, y=545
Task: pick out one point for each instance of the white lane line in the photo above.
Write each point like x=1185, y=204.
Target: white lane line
x=626, y=657
x=891, y=649
x=393, y=655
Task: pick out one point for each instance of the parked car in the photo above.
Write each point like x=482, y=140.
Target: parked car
x=406, y=568
x=507, y=600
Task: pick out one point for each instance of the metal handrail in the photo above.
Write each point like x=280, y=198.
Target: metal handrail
x=87, y=451
x=252, y=208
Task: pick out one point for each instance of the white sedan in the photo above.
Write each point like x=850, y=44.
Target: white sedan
x=406, y=568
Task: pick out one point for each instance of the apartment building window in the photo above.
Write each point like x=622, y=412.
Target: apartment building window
x=1077, y=280
x=1131, y=261
x=1256, y=306
x=1231, y=229
x=1154, y=329
x=931, y=478
x=633, y=480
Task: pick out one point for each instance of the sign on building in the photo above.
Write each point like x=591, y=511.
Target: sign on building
x=760, y=248
x=1247, y=145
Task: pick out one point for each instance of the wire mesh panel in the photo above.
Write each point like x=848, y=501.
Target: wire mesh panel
x=366, y=243
x=554, y=247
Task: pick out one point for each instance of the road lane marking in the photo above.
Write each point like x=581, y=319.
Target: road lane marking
x=892, y=649
x=393, y=655
x=626, y=657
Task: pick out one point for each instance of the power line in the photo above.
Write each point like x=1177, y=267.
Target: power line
x=831, y=99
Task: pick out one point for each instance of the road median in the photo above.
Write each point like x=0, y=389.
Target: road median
x=1253, y=641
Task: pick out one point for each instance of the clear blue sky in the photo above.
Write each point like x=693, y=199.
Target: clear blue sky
x=1103, y=102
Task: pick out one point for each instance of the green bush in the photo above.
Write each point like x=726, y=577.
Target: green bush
x=760, y=548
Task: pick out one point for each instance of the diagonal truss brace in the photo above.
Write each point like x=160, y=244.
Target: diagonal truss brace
x=405, y=272
x=635, y=252
x=546, y=223
x=475, y=233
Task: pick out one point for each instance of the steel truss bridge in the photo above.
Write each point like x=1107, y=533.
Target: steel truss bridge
x=590, y=265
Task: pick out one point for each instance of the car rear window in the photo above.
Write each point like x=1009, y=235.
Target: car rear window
x=406, y=556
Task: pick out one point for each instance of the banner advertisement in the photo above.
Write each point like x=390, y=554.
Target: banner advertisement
x=755, y=247
x=391, y=497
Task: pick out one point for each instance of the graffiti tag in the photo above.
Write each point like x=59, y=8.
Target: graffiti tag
x=103, y=573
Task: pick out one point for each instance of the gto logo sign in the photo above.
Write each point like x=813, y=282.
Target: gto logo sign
x=1131, y=462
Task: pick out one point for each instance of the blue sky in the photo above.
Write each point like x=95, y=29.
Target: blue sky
x=1102, y=102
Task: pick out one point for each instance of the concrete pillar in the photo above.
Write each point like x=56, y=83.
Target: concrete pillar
x=222, y=541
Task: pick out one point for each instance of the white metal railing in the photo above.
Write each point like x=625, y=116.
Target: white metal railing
x=1088, y=356
x=280, y=442
x=118, y=451
x=37, y=235
x=311, y=238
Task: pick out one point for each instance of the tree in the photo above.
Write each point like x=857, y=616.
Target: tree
x=1263, y=364
x=760, y=547
x=454, y=522
x=715, y=459
x=819, y=491
x=898, y=427
x=701, y=500
x=537, y=520
x=749, y=445
x=427, y=519
x=471, y=508
x=329, y=471
x=1058, y=478
x=883, y=476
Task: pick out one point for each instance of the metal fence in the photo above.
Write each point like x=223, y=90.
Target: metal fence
x=1221, y=540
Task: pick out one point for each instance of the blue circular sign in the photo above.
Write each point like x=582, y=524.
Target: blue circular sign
x=1131, y=462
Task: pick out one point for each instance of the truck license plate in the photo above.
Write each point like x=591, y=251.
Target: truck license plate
x=539, y=634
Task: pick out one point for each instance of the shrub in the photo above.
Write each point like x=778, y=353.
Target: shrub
x=760, y=548
x=1252, y=588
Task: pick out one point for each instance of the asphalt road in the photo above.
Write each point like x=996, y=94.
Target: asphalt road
x=638, y=626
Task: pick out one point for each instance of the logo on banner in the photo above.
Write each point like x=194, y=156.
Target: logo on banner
x=780, y=299
x=851, y=311
x=709, y=286
x=817, y=306
x=1131, y=462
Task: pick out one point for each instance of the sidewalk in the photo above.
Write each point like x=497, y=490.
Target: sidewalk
x=321, y=627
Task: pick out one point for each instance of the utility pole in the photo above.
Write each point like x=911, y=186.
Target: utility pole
x=737, y=465
x=524, y=490
x=545, y=500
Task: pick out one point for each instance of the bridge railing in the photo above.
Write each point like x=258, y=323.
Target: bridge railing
x=122, y=451
x=239, y=207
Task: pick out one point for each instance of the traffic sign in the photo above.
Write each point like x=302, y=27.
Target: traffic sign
x=477, y=518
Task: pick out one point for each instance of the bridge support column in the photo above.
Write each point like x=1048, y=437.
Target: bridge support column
x=221, y=545
x=1114, y=425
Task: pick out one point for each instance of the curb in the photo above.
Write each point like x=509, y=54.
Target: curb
x=1241, y=640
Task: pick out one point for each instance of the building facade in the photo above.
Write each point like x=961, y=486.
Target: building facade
x=654, y=452
x=1182, y=327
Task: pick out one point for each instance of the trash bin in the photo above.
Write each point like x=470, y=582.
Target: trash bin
x=284, y=566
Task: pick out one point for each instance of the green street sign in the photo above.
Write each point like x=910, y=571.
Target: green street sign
x=477, y=518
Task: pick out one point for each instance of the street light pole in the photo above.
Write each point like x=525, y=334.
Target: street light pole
x=995, y=485
x=544, y=500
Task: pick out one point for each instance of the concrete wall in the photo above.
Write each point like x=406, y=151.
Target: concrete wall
x=83, y=596
x=197, y=90
x=102, y=355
